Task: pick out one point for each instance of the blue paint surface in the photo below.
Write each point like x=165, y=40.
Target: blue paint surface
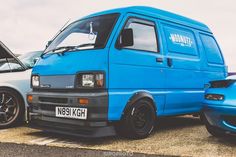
x=215, y=111
x=180, y=40
x=177, y=88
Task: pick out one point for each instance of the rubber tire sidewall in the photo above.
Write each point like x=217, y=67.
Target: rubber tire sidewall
x=127, y=129
x=20, y=102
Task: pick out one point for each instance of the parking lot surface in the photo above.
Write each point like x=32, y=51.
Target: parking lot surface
x=178, y=136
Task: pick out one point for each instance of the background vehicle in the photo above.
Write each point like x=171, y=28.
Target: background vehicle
x=231, y=73
x=123, y=68
x=220, y=107
x=14, y=84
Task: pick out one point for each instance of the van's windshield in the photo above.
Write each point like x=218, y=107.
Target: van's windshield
x=90, y=33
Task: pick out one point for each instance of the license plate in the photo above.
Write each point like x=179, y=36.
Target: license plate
x=71, y=112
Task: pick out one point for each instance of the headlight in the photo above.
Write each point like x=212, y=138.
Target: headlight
x=35, y=81
x=216, y=97
x=90, y=80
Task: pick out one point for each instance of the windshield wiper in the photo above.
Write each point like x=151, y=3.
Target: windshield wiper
x=85, y=45
x=63, y=49
x=59, y=50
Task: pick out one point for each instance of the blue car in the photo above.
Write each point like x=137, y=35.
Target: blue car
x=220, y=107
x=117, y=71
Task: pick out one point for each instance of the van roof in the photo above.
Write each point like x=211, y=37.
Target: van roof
x=157, y=13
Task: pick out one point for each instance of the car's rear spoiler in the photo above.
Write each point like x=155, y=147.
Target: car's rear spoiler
x=222, y=83
x=231, y=73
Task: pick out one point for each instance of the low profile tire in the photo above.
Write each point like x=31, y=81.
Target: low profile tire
x=214, y=131
x=11, y=108
x=138, y=122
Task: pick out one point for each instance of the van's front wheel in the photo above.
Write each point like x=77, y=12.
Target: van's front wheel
x=138, y=122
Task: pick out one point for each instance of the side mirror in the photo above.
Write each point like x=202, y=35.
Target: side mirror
x=126, y=38
x=49, y=42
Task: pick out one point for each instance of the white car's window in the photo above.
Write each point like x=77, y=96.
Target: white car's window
x=28, y=59
x=11, y=64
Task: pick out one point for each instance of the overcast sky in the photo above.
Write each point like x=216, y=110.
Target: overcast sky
x=27, y=25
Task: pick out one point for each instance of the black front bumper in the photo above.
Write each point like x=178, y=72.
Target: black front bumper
x=42, y=113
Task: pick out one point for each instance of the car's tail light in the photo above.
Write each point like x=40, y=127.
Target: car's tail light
x=216, y=97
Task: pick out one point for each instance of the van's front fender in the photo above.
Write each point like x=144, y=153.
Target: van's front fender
x=121, y=100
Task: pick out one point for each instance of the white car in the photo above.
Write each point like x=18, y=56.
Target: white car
x=14, y=84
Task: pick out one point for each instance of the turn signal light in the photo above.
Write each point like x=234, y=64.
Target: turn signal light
x=83, y=101
x=29, y=98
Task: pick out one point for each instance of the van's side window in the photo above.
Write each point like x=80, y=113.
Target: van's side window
x=144, y=35
x=212, y=50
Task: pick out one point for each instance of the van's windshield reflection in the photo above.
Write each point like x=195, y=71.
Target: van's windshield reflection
x=90, y=33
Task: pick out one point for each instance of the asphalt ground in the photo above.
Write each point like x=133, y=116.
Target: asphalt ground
x=175, y=136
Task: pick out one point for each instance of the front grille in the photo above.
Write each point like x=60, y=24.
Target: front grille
x=65, y=90
x=231, y=120
x=53, y=100
x=47, y=107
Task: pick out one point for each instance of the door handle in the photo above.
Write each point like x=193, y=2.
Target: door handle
x=169, y=62
x=159, y=60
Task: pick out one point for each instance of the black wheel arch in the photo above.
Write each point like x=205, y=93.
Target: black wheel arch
x=136, y=97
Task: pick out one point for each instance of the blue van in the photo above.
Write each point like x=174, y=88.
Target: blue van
x=117, y=71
